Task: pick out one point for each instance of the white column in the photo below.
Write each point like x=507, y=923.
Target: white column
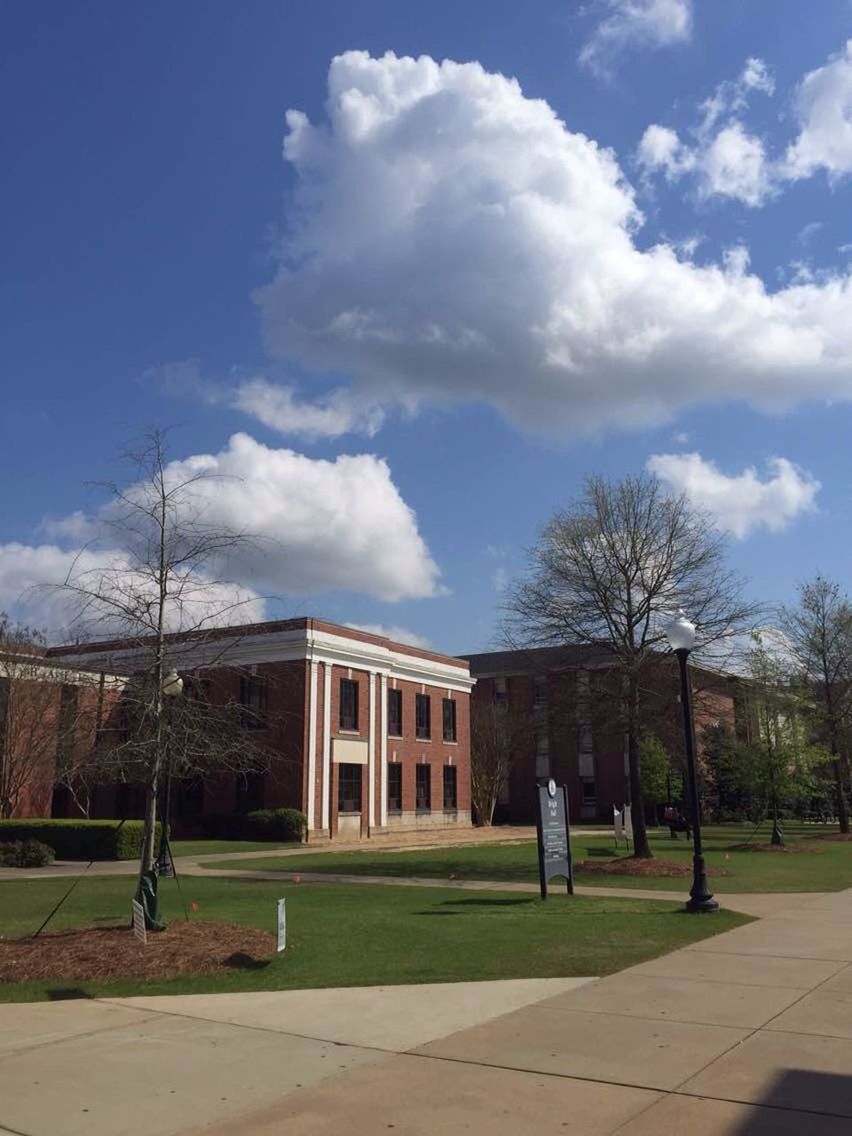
x=326, y=745
x=383, y=751
x=312, y=748
x=371, y=755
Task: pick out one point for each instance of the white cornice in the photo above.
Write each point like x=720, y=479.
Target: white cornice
x=293, y=645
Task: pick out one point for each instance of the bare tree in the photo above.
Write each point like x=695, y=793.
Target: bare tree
x=497, y=734
x=159, y=591
x=819, y=633
x=612, y=569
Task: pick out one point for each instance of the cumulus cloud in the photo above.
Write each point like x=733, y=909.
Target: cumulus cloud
x=743, y=502
x=824, y=108
x=316, y=526
x=397, y=634
x=279, y=407
x=454, y=240
x=636, y=23
x=725, y=159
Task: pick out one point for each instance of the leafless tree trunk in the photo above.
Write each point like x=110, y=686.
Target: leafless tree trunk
x=161, y=577
x=496, y=734
x=613, y=569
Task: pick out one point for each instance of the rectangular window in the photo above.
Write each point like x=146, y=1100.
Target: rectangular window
x=348, y=704
x=423, y=717
x=395, y=713
x=253, y=702
x=450, y=787
x=349, y=788
x=394, y=787
x=449, y=720
x=499, y=690
x=590, y=796
x=424, y=788
x=540, y=691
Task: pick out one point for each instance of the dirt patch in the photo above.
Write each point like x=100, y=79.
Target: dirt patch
x=627, y=866
x=767, y=847
x=838, y=837
x=106, y=954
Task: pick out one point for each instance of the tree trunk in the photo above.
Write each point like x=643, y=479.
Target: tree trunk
x=840, y=784
x=641, y=847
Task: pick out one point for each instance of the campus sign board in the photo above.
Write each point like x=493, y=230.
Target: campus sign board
x=554, y=838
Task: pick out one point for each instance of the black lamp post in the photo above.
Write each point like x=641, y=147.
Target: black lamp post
x=681, y=636
x=172, y=688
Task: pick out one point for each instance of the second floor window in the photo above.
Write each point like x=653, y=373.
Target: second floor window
x=423, y=717
x=449, y=720
x=348, y=704
x=253, y=701
x=395, y=713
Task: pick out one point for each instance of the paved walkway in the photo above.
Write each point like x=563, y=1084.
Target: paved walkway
x=748, y=1033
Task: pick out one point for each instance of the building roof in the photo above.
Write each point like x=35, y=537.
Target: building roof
x=244, y=634
x=532, y=660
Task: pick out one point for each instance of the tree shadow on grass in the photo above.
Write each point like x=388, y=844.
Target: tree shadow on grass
x=66, y=993
x=488, y=902
x=241, y=961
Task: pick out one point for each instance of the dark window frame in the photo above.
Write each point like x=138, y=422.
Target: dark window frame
x=394, y=786
x=423, y=782
x=348, y=709
x=423, y=717
x=395, y=715
x=450, y=786
x=254, y=697
x=348, y=775
x=450, y=720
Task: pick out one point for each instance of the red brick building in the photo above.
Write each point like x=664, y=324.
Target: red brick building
x=364, y=734
x=568, y=698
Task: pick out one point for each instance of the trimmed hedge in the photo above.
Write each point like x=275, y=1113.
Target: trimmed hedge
x=25, y=854
x=81, y=839
x=283, y=826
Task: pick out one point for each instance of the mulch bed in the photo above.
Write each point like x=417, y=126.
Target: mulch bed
x=840, y=837
x=107, y=954
x=627, y=866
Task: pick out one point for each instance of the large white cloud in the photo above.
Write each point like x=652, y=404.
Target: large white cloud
x=824, y=108
x=639, y=23
x=453, y=239
x=313, y=525
x=739, y=503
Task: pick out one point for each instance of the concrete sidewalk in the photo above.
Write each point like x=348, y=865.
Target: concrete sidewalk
x=748, y=1033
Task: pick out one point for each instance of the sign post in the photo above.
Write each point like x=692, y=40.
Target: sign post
x=554, y=843
x=139, y=921
x=282, y=924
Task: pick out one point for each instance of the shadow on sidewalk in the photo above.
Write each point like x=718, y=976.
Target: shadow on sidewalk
x=827, y=1095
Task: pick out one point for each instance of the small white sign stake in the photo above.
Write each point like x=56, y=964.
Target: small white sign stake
x=139, y=921
x=282, y=924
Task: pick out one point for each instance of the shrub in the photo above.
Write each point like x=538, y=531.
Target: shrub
x=25, y=854
x=276, y=824
x=81, y=839
x=282, y=825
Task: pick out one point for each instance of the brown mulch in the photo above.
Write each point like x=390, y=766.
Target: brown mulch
x=627, y=866
x=840, y=837
x=106, y=954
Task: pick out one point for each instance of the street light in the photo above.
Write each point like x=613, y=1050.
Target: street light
x=681, y=636
x=172, y=688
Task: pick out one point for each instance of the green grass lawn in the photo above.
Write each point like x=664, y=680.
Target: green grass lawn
x=361, y=935
x=810, y=865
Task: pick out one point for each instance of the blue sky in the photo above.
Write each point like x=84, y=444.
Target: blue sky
x=452, y=295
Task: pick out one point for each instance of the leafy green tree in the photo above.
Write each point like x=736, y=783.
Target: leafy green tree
x=655, y=766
